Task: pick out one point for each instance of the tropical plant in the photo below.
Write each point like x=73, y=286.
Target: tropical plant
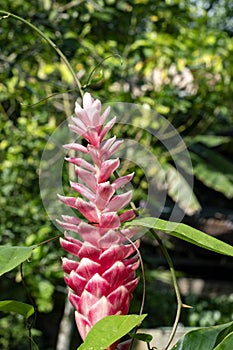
x=186, y=79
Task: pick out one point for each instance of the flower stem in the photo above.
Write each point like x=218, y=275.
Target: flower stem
x=143, y=279
x=54, y=46
x=177, y=291
x=48, y=240
x=31, y=321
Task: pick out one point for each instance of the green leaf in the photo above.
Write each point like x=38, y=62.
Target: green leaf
x=23, y=309
x=141, y=336
x=180, y=191
x=226, y=344
x=214, y=159
x=10, y=257
x=110, y=329
x=224, y=333
x=201, y=339
x=214, y=175
x=208, y=140
x=213, y=169
x=185, y=233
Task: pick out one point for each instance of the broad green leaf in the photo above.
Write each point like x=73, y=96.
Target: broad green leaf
x=10, y=257
x=222, y=335
x=23, y=309
x=208, y=140
x=201, y=339
x=213, y=169
x=185, y=233
x=141, y=336
x=213, y=175
x=110, y=329
x=218, y=161
x=226, y=344
x=180, y=191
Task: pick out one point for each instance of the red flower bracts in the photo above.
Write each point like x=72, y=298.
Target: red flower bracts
x=101, y=275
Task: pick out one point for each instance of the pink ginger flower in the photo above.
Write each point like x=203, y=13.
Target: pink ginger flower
x=102, y=275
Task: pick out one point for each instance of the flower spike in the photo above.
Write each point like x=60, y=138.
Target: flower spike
x=101, y=276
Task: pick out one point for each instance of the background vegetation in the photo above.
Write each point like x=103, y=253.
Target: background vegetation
x=174, y=57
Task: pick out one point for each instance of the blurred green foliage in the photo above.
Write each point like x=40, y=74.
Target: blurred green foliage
x=174, y=57
x=209, y=311
x=15, y=337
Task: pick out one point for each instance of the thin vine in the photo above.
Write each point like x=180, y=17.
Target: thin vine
x=180, y=304
x=50, y=42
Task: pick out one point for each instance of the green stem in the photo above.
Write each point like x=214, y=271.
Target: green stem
x=49, y=240
x=143, y=279
x=177, y=292
x=54, y=46
x=98, y=65
x=32, y=301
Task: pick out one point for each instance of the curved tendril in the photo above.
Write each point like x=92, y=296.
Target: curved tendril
x=88, y=84
x=98, y=65
x=180, y=305
x=51, y=43
x=47, y=98
x=143, y=278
